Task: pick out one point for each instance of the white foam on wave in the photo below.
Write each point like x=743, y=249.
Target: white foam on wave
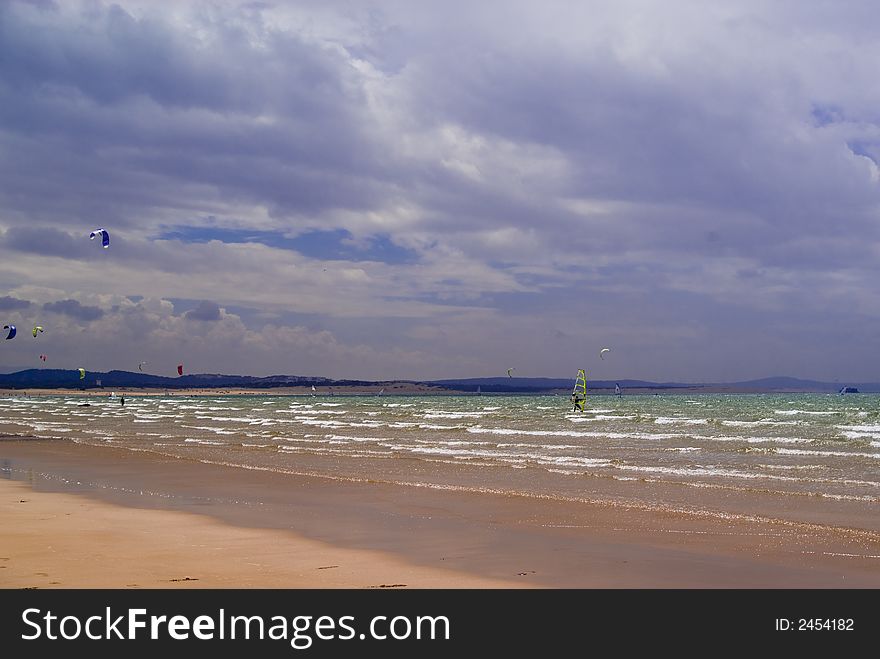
x=762, y=422
x=822, y=454
x=753, y=440
x=563, y=460
x=872, y=428
x=813, y=412
x=329, y=450
x=461, y=442
x=206, y=442
x=572, y=433
x=323, y=423
x=219, y=431
x=49, y=425
x=850, y=434
x=549, y=447
x=355, y=438
x=313, y=411
x=703, y=471
x=789, y=467
x=682, y=420
x=432, y=414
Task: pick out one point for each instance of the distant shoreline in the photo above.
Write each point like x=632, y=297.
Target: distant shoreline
x=397, y=389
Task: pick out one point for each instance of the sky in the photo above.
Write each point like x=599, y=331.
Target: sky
x=426, y=190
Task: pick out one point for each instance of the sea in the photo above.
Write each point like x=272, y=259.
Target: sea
x=803, y=457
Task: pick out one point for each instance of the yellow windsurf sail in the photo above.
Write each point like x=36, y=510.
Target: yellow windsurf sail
x=579, y=393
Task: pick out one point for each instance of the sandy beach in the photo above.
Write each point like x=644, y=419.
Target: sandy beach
x=83, y=516
x=54, y=540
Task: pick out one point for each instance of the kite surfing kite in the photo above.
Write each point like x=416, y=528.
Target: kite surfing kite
x=36, y=329
x=141, y=366
x=82, y=373
x=43, y=358
x=603, y=351
x=11, y=329
x=510, y=371
x=180, y=369
x=105, y=237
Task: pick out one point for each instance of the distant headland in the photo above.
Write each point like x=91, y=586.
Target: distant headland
x=72, y=379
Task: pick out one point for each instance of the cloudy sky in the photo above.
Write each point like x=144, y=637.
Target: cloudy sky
x=425, y=190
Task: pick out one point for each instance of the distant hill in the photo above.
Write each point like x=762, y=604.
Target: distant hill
x=47, y=378
x=503, y=384
x=69, y=379
x=790, y=384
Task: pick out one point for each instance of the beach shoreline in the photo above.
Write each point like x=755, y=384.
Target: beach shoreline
x=117, y=498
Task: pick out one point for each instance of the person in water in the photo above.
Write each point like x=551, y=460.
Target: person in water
x=122, y=400
x=578, y=402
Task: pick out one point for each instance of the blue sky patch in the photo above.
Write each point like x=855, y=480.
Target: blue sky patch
x=335, y=245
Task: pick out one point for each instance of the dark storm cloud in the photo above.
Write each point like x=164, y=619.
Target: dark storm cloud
x=205, y=311
x=74, y=309
x=138, y=102
x=8, y=303
x=46, y=241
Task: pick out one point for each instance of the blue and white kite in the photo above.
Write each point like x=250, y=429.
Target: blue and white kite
x=105, y=237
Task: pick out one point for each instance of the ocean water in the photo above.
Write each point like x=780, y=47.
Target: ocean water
x=804, y=457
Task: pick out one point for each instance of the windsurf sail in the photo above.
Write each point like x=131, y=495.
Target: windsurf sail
x=579, y=393
x=616, y=389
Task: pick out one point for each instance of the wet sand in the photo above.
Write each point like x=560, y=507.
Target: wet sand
x=55, y=540
x=84, y=516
